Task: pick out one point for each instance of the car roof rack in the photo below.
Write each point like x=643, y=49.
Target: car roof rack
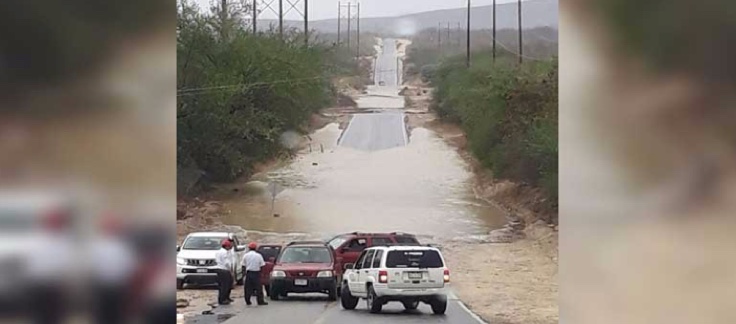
x=398, y=244
x=391, y=233
x=306, y=242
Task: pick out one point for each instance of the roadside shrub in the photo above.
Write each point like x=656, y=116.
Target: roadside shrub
x=238, y=93
x=509, y=114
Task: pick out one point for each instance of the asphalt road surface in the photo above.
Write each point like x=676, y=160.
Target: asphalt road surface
x=380, y=131
x=387, y=64
x=316, y=309
x=372, y=132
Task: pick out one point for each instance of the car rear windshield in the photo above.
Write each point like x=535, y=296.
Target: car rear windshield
x=311, y=254
x=203, y=243
x=414, y=259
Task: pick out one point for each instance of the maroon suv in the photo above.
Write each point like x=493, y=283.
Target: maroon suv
x=306, y=267
x=348, y=246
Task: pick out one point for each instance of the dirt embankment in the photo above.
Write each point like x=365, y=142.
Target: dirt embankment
x=510, y=275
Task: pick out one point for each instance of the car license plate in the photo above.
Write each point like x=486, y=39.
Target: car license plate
x=201, y=270
x=300, y=282
x=415, y=275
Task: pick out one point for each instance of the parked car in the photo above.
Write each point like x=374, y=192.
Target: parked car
x=195, y=258
x=407, y=274
x=269, y=252
x=349, y=246
x=306, y=267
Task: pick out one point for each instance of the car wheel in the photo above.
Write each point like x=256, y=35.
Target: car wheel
x=179, y=284
x=347, y=300
x=274, y=295
x=411, y=305
x=439, y=305
x=374, y=305
x=332, y=294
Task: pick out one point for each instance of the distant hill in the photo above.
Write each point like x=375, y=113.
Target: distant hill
x=536, y=13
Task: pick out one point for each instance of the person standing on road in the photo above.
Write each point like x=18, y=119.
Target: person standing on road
x=233, y=262
x=223, y=271
x=252, y=263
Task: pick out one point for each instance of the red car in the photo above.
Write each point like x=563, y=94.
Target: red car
x=349, y=246
x=306, y=267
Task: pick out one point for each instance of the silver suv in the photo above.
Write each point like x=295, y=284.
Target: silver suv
x=408, y=274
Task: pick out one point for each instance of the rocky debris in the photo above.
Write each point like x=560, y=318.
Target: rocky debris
x=539, y=230
x=181, y=303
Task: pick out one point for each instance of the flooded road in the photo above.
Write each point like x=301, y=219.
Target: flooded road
x=373, y=176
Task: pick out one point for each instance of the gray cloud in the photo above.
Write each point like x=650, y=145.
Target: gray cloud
x=324, y=9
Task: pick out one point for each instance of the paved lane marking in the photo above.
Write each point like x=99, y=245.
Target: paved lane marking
x=451, y=295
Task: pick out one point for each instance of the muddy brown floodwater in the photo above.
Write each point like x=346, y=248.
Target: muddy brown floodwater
x=424, y=187
x=419, y=184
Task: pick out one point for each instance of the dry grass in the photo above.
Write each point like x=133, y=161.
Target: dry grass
x=507, y=283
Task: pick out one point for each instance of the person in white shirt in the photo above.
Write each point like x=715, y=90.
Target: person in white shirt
x=252, y=263
x=223, y=269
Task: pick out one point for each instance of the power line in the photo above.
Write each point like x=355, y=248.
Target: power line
x=518, y=54
x=243, y=86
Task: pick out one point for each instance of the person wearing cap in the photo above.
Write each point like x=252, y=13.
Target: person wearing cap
x=252, y=263
x=224, y=272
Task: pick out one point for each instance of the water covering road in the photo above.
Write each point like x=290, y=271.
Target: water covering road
x=371, y=176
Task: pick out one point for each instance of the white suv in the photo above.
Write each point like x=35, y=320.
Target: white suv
x=195, y=258
x=408, y=274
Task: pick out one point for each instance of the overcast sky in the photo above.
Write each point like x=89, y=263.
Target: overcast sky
x=324, y=9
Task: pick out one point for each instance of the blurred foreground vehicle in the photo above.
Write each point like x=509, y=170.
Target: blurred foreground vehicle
x=42, y=233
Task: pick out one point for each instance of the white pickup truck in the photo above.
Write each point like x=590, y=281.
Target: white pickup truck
x=195, y=258
x=407, y=274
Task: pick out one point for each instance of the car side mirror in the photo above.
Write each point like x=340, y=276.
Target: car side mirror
x=178, y=248
x=349, y=266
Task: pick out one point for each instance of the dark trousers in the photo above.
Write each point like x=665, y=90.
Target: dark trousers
x=110, y=304
x=48, y=304
x=224, y=284
x=253, y=285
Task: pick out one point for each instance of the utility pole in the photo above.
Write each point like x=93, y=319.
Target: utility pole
x=448, y=33
x=494, y=31
x=223, y=19
x=467, y=49
x=255, y=17
x=350, y=5
x=270, y=6
x=439, y=35
x=358, y=33
x=339, y=19
x=306, y=23
x=281, y=19
x=521, y=50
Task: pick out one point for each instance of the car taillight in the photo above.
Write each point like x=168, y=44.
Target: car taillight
x=382, y=276
x=447, y=275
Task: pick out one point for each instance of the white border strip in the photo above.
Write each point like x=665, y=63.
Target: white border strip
x=475, y=316
x=404, y=130
x=345, y=132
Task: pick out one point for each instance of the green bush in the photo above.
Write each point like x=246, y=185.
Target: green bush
x=238, y=93
x=509, y=114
